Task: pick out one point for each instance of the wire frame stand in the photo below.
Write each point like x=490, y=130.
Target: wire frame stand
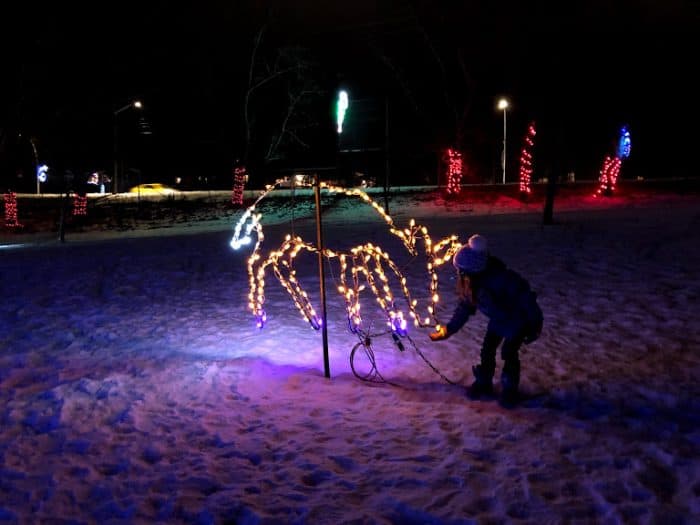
x=373, y=375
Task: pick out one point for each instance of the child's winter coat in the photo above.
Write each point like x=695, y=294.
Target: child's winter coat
x=506, y=299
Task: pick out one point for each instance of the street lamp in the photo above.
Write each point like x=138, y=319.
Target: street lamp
x=136, y=104
x=503, y=104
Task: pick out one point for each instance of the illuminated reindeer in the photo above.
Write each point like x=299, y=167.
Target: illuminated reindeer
x=365, y=265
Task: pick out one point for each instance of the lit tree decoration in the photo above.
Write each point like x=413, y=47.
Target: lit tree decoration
x=79, y=204
x=526, y=160
x=10, y=199
x=454, y=171
x=362, y=267
x=341, y=107
x=624, y=145
x=239, y=177
x=611, y=165
x=42, y=173
x=608, y=175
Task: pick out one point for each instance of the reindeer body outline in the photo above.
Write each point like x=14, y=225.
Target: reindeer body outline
x=366, y=269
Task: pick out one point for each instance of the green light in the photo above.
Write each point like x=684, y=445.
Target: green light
x=341, y=108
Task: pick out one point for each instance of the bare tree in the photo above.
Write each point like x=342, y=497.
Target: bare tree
x=430, y=68
x=279, y=100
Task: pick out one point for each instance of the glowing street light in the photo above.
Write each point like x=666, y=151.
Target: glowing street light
x=136, y=104
x=503, y=104
x=133, y=104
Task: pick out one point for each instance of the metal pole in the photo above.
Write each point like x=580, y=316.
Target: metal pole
x=504, y=145
x=134, y=104
x=62, y=223
x=36, y=166
x=386, y=155
x=321, y=275
x=116, y=156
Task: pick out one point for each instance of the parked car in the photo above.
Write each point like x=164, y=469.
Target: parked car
x=298, y=180
x=153, y=188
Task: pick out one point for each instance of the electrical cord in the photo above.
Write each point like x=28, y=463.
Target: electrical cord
x=365, y=343
x=373, y=375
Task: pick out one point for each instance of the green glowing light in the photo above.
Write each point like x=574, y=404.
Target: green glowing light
x=341, y=108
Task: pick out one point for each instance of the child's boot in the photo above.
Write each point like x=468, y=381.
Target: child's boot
x=510, y=380
x=483, y=384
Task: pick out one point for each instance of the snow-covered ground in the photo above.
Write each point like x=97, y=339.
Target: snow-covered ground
x=135, y=388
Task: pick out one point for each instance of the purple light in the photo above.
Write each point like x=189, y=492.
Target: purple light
x=398, y=325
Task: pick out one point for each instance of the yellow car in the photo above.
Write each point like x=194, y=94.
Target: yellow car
x=154, y=188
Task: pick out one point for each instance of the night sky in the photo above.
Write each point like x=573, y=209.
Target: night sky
x=579, y=69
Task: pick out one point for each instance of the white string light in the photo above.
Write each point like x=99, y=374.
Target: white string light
x=362, y=267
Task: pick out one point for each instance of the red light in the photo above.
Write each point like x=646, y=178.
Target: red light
x=608, y=176
x=454, y=171
x=79, y=205
x=526, y=160
x=239, y=177
x=10, y=199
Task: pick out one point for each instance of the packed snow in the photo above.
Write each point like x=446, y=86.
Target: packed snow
x=135, y=387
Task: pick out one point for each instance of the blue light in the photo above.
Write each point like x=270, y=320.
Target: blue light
x=237, y=243
x=398, y=326
x=42, y=173
x=625, y=143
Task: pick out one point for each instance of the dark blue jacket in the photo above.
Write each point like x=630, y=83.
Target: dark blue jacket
x=505, y=298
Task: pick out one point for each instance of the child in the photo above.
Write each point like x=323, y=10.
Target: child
x=486, y=284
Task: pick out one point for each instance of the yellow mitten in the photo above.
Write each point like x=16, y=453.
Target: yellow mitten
x=439, y=333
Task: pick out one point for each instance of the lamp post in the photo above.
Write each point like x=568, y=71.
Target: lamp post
x=503, y=104
x=136, y=104
x=40, y=170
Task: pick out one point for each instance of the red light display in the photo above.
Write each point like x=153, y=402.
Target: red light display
x=608, y=175
x=239, y=178
x=526, y=159
x=10, y=199
x=79, y=204
x=454, y=171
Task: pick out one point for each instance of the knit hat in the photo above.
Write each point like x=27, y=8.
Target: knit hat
x=472, y=257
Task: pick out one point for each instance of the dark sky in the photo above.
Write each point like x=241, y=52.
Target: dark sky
x=581, y=69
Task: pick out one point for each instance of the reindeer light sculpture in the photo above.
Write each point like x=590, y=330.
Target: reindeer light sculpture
x=361, y=267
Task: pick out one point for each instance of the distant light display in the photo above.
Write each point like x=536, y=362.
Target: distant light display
x=11, y=220
x=610, y=171
x=239, y=180
x=362, y=267
x=454, y=171
x=79, y=205
x=526, y=160
x=624, y=144
x=342, y=106
x=42, y=173
x=608, y=175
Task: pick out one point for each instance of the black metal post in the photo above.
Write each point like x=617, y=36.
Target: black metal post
x=321, y=275
x=62, y=221
x=386, y=155
x=115, y=175
x=548, y=217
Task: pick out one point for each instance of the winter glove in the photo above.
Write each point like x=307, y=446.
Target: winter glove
x=439, y=334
